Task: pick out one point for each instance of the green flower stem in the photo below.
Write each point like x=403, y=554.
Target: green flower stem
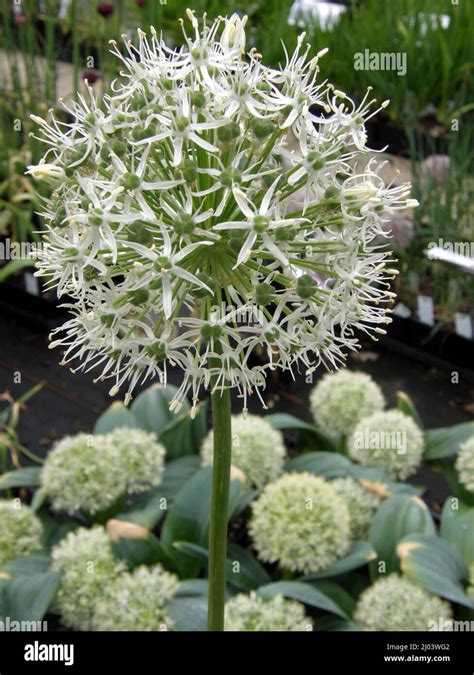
x=221, y=423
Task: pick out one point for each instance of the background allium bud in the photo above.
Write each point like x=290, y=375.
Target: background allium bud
x=136, y=601
x=361, y=502
x=89, y=473
x=397, y=604
x=465, y=464
x=301, y=522
x=257, y=449
x=20, y=530
x=390, y=441
x=339, y=401
x=85, y=559
x=174, y=192
x=253, y=613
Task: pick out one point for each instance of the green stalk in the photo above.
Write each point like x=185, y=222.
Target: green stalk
x=221, y=423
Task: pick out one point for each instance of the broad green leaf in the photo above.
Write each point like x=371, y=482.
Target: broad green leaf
x=407, y=407
x=139, y=551
x=435, y=565
x=184, y=434
x=335, y=624
x=28, y=565
x=457, y=487
x=188, y=613
x=192, y=588
x=445, y=441
x=116, y=416
x=360, y=554
x=387, y=485
x=243, y=569
x=317, y=437
x=188, y=518
x=148, y=509
x=397, y=517
x=457, y=528
x=326, y=464
x=27, y=477
x=55, y=528
x=151, y=408
x=341, y=597
x=303, y=592
x=38, y=499
x=28, y=598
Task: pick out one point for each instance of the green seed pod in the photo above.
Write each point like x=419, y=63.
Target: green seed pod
x=228, y=132
x=306, y=286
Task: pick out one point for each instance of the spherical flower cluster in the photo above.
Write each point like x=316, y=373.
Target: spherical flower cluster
x=85, y=559
x=136, y=601
x=253, y=613
x=20, y=530
x=339, y=401
x=257, y=449
x=361, y=502
x=396, y=604
x=89, y=473
x=390, y=441
x=140, y=457
x=465, y=464
x=177, y=191
x=301, y=522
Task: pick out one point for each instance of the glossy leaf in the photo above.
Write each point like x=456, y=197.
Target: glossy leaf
x=445, y=441
x=303, y=592
x=326, y=464
x=360, y=554
x=457, y=528
x=435, y=565
x=117, y=415
x=316, y=437
x=397, y=517
x=27, y=477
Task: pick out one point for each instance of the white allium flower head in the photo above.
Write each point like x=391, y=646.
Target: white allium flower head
x=140, y=457
x=340, y=400
x=395, y=603
x=253, y=613
x=20, y=530
x=89, y=473
x=390, y=441
x=136, y=601
x=85, y=559
x=361, y=502
x=465, y=464
x=173, y=193
x=257, y=449
x=301, y=522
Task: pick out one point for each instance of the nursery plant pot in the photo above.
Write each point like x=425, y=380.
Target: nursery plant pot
x=36, y=311
x=431, y=345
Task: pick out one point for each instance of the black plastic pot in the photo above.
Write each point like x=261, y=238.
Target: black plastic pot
x=434, y=347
